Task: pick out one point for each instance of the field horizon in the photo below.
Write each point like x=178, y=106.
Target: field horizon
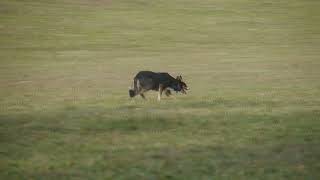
x=252, y=111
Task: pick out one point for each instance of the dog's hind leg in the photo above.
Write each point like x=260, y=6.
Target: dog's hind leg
x=167, y=92
x=141, y=91
x=142, y=95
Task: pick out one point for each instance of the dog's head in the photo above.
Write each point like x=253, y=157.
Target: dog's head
x=181, y=86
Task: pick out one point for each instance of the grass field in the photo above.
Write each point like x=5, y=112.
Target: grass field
x=253, y=111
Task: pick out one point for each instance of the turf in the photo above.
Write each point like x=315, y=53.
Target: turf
x=252, y=112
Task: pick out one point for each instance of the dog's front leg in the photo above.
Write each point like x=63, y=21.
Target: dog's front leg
x=160, y=92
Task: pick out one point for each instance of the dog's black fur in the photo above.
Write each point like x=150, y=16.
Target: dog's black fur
x=148, y=80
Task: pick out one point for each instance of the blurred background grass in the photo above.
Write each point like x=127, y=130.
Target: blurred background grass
x=252, y=112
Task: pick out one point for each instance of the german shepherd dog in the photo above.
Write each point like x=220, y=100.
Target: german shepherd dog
x=162, y=81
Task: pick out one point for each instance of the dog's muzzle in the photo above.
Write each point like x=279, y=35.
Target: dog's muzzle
x=184, y=90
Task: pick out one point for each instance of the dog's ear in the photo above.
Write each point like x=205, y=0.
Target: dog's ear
x=179, y=78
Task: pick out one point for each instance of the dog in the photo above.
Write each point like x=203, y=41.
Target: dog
x=156, y=81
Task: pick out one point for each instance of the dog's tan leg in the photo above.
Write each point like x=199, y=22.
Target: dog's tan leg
x=160, y=92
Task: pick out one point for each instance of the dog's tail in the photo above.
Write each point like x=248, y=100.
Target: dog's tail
x=133, y=92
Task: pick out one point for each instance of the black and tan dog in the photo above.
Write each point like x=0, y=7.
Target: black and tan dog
x=148, y=80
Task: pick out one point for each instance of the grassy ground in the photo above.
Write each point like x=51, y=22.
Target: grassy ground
x=252, y=113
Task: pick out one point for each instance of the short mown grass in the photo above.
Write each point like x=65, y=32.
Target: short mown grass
x=252, y=112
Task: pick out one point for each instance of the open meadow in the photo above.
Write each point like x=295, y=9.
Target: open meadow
x=252, y=112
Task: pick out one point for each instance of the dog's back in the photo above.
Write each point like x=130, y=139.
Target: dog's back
x=151, y=80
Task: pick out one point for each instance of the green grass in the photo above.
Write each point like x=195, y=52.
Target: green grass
x=252, y=112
